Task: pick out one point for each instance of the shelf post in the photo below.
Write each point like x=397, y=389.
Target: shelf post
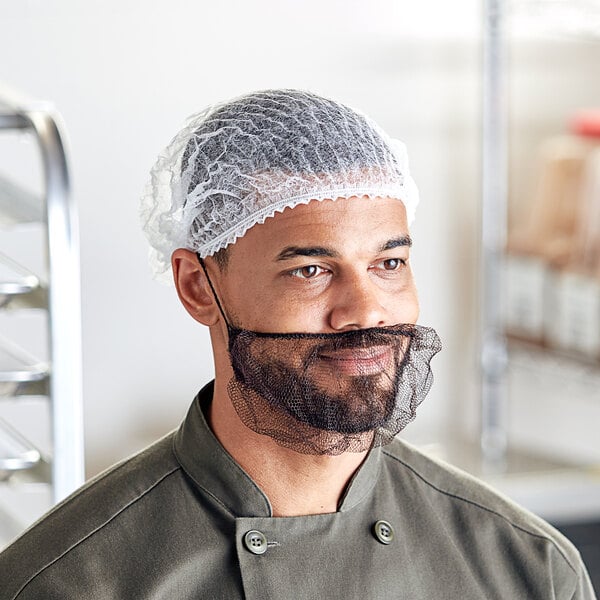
x=64, y=309
x=493, y=239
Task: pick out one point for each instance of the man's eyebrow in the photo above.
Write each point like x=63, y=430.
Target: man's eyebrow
x=403, y=240
x=293, y=251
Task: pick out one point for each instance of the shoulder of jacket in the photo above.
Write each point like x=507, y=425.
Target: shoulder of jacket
x=462, y=489
x=84, y=513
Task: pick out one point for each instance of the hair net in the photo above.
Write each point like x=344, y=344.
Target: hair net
x=236, y=164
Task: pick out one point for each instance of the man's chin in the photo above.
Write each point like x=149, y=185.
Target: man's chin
x=354, y=411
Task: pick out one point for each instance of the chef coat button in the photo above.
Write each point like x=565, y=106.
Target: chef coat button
x=255, y=541
x=384, y=532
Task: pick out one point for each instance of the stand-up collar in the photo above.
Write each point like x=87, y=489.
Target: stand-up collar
x=213, y=469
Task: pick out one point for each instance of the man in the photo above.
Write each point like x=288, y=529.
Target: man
x=284, y=217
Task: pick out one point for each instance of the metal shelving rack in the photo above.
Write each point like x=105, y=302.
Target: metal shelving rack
x=57, y=292
x=566, y=494
x=500, y=16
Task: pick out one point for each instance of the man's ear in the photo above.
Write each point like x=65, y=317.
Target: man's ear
x=193, y=287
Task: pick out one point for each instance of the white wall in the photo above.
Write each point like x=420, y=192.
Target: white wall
x=125, y=74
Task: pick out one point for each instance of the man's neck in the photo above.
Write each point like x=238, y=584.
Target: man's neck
x=295, y=483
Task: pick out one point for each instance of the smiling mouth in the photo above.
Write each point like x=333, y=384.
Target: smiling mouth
x=359, y=361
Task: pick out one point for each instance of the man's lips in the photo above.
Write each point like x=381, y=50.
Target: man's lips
x=359, y=361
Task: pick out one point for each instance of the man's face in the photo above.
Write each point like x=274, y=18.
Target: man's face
x=324, y=267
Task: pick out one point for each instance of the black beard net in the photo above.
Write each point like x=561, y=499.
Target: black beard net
x=328, y=393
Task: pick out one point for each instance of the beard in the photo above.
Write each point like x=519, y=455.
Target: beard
x=329, y=393
x=306, y=382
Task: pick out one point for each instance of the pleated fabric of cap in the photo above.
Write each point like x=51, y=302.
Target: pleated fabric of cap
x=238, y=163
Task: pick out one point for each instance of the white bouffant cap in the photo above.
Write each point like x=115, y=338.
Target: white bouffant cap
x=238, y=163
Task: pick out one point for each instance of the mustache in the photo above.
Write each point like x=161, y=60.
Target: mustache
x=357, y=342
x=363, y=341
x=314, y=345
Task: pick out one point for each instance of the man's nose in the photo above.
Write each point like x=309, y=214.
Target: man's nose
x=357, y=304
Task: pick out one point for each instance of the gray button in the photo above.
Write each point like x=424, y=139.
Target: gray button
x=384, y=532
x=256, y=542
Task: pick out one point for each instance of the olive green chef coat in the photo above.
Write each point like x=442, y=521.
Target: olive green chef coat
x=182, y=520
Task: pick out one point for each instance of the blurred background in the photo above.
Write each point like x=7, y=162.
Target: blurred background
x=125, y=75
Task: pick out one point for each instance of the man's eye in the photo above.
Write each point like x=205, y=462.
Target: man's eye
x=307, y=272
x=392, y=264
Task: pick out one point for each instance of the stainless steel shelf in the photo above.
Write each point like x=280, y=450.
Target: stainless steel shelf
x=19, y=368
x=16, y=452
x=19, y=288
x=11, y=120
x=40, y=473
x=24, y=497
x=18, y=206
x=572, y=367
